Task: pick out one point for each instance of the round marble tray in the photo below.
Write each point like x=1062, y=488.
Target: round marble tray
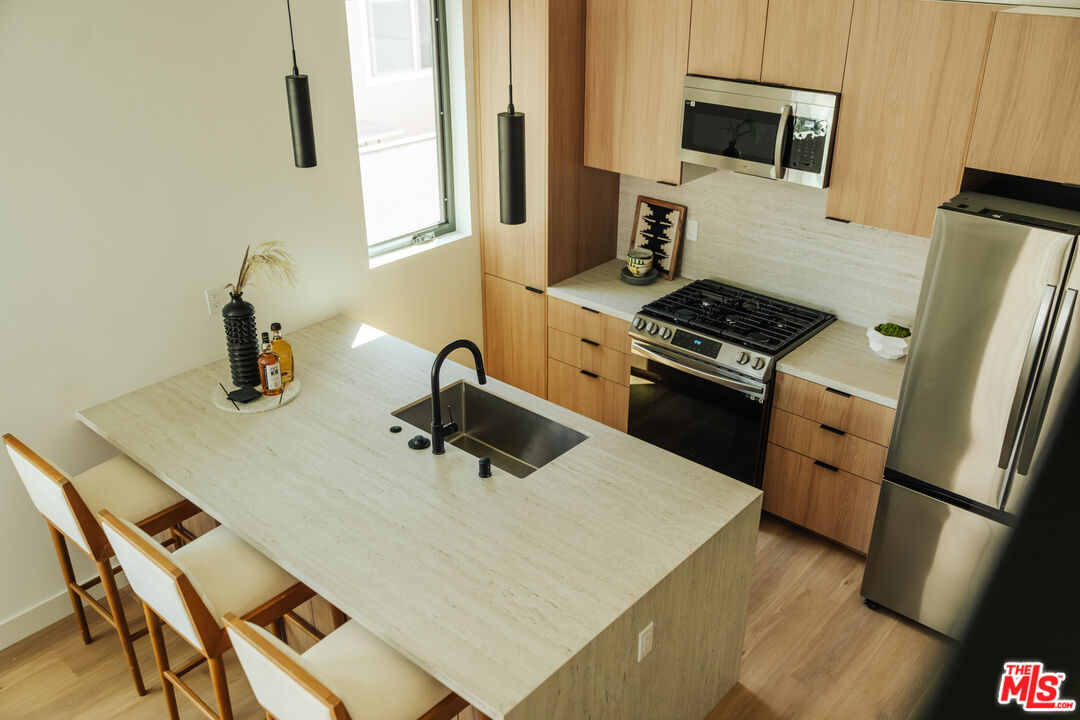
x=262, y=404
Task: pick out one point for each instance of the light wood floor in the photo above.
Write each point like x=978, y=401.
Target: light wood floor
x=812, y=650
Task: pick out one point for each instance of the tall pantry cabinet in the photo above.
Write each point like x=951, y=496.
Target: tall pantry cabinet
x=571, y=216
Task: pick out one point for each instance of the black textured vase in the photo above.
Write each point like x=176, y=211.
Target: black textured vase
x=240, y=339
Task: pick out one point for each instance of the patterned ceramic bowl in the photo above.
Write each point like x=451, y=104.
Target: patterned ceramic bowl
x=639, y=261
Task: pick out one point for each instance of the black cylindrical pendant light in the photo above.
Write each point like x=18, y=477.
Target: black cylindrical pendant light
x=511, y=150
x=296, y=87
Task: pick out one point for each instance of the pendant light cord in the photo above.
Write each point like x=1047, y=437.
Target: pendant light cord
x=295, y=70
x=510, y=51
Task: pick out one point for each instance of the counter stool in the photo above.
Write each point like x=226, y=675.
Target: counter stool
x=192, y=589
x=68, y=506
x=351, y=675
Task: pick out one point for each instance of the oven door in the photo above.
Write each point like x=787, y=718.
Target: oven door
x=698, y=412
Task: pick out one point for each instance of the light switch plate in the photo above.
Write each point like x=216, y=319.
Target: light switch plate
x=644, y=642
x=691, y=230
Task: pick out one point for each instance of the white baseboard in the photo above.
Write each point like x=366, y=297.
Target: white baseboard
x=45, y=613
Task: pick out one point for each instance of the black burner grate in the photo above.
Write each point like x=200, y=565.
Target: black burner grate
x=755, y=321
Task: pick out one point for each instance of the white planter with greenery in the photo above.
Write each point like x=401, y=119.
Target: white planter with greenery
x=889, y=340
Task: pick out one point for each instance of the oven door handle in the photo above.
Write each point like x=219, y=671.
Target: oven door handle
x=757, y=390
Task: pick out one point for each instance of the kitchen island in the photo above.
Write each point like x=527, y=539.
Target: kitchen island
x=524, y=595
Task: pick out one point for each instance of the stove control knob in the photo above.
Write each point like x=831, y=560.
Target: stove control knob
x=759, y=363
x=639, y=323
x=743, y=358
x=652, y=328
x=665, y=333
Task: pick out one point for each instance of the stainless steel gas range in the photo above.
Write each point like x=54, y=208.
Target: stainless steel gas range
x=702, y=372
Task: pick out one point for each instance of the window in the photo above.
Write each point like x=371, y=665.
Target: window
x=401, y=94
x=399, y=36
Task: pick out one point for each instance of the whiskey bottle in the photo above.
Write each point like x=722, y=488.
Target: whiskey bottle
x=284, y=353
x=270, y=368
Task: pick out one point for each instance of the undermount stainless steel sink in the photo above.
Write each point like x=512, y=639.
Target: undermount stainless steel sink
x=517, y=440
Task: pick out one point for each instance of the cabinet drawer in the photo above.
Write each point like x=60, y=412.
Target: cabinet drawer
x=590, y=395
x=829, y=445
x=587, y=355
x=584, y=322
x=853, y=415
x=833, y=503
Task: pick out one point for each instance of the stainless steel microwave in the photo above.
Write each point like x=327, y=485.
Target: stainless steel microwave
x=762, y=130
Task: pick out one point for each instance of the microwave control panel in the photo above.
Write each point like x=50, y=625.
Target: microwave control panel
x=806, y=150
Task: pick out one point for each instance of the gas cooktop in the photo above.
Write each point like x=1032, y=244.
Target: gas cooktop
x=728, y=326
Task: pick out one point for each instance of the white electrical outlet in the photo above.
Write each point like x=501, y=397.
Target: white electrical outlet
x=215, y=299
x=691, y=230
x=644, y=642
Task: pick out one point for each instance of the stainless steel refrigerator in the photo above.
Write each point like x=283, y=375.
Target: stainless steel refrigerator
x=992, y=347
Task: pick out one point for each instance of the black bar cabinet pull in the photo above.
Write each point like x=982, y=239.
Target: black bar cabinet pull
x=841, y=393
x=538, y=291
x=831, y=429
x=587, y=341
x=595, y=312
x=827, y=466
x=589, y=374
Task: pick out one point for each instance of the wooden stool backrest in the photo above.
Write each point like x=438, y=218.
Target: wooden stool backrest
x=281, y=684
x=162, y=584
x=57, y=499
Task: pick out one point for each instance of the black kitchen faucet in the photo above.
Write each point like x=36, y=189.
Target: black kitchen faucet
x=438, y=430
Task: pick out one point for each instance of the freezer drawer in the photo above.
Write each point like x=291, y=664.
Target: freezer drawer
x=928, y=559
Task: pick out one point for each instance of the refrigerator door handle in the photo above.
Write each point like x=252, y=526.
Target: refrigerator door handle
x=1045, y=385
x=1012, y=428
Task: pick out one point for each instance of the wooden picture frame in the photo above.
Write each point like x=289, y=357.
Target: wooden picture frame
x=658, y=226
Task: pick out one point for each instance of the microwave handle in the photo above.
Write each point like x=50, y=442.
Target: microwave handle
x=781, y=133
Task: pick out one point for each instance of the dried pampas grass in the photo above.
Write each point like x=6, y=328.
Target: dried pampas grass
x=270, y=261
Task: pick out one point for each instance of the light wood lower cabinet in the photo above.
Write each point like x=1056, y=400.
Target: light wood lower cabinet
x=825, y=459
x=833, y=503
x=588, y=394
x=588, y=355
x=515, y=335
x=834, y=407
x=828, y=444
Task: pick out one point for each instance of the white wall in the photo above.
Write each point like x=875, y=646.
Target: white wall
x=142, y=146
x=773, y=237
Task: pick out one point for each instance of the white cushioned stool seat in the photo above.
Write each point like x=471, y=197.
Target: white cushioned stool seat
x=230, y=575
x=123, y=487
x=373, y=680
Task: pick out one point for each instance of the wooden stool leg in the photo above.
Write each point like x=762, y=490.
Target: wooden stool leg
x=221, y=687
x=60, y=544
x=153, y=625
x=116, y=607
x=337, y=617
x=279, y=630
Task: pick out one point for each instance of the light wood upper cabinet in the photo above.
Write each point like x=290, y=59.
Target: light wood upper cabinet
x=806, y=43
x=515, y=335
x=910, y=87
x=1027, y=122
x=635, y=61
x=726, y=38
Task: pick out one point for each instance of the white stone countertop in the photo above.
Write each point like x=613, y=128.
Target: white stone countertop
x=489, y=585
x=601, y=289
x=840, y=357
